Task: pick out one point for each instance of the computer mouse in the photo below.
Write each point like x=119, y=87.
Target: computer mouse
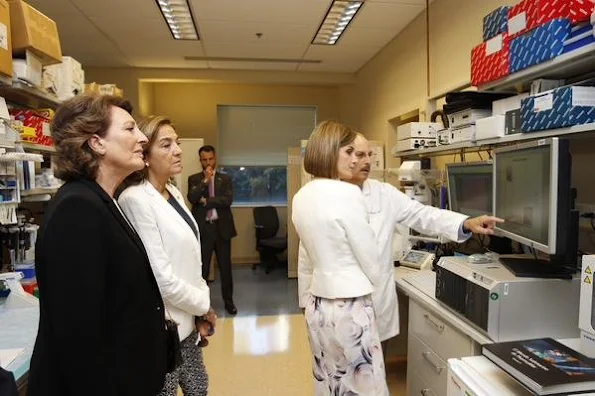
x=480, y=259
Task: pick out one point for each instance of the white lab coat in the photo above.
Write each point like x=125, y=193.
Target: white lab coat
x=173, y=249
x=338, y=257
x=389, y=207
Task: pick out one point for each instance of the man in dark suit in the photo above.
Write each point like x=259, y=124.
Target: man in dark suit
x=211, y=194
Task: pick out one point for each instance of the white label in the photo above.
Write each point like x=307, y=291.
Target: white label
x=517, y=23
x=544, y=102
x=3, y=36
x=45, y=129
x=583, y=96
x=541, y=142
x=494, y=45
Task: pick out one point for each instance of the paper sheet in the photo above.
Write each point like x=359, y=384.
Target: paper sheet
x=7, y=356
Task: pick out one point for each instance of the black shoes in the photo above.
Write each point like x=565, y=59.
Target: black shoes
x=231, y=309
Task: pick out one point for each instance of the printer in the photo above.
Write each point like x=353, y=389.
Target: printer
x=506, y=307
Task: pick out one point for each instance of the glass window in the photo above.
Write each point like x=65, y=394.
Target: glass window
x=258, y=185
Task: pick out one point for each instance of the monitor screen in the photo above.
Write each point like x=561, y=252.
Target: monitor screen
x=470, y=188
x=523, y=192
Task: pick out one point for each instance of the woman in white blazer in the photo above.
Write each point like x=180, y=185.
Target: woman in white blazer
x=338, y=269
x=157, y=211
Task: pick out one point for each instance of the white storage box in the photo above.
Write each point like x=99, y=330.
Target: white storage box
x=418, y=130
x=65, y=79
x=490, y=127
x=28, y=69
x=586, y=318
x=464, y=134
x=500, y=107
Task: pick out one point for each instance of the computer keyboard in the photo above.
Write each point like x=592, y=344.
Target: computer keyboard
x=424, y=281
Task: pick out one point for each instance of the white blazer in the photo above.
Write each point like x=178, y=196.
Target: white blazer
x=338, y=257
x=389, y=207
x=173, y=249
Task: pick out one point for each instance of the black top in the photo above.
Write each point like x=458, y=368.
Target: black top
x=102, y=325
x=174, y=202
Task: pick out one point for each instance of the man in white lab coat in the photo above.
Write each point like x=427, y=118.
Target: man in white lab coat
x=389, y=207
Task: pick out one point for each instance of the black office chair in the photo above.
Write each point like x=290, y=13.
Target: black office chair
x=268, y=244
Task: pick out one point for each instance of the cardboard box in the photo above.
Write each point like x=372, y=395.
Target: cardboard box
x=490, y=60
x=495, y=22
x=539, y=45
x=104, y=89
x=30, y=29
x=580, y=36
x=5, y=40
x=561, y=107
x=529, y=14
x=30, y=118
x=581, y=10
x=65, y=79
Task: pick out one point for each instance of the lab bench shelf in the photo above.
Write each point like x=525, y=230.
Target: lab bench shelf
x=37, y=147
x=22, y=94
x=38, y=191
x=483, y=145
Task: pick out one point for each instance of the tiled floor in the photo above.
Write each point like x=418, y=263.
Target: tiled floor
x=264, y=350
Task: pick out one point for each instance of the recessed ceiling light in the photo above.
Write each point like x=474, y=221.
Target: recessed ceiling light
x=338, y=17
x=179, y=19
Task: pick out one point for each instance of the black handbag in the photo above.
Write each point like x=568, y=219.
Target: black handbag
x=174, y=348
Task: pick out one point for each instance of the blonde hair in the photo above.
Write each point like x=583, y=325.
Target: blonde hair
x=322, y=150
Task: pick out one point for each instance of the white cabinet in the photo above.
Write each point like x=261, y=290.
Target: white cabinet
x=432, y=341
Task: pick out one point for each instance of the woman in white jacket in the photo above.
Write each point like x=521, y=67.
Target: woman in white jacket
x=157, y=211
x=338, y=269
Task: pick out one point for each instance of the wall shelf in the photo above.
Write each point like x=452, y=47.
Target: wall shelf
x=38, y=191
x=566, y=66
x=37, y=147
x=22, y=94
x=484, y=145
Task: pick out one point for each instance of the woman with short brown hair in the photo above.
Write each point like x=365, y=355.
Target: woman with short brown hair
x=102, y=326
x=338, y=269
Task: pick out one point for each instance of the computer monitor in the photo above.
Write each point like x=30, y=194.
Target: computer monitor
x=532, y=193
x=470, y=188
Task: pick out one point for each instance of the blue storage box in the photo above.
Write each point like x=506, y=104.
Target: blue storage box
x=495, y=22
x=558, y=108
x=539, y=45
x=580, y=36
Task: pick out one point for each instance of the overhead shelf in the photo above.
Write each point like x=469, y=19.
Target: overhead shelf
x=38, y=147
x=20, y=93
x=573, y=131
x=566, y=66
x=38, y=191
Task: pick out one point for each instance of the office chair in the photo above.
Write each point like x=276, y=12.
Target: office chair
x=268, y=244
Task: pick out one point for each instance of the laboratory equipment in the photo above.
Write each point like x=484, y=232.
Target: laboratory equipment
x=506, y=307
x=470, y=188
x=418, y=259
x=532, y=193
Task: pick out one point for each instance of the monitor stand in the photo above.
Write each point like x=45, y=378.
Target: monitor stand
x=535, y=268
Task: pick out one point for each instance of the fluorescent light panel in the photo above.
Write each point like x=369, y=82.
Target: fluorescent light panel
x=178, y=16
x=336, y=21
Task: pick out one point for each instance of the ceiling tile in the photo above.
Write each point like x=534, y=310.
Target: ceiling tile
x=164, y=62
x=106, y=8
x=165, y=48
x=329, y=52
x=305, y=11
x=225, y=31
x=368, y=37
x=254, y=50
x=386, y=15
x=54, y=8
x=118, y=27
x=332, y=66
x=252, y=65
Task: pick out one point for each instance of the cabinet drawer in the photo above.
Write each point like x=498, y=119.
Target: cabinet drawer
x=417, y=387
x=443, y=338
x=424, y=362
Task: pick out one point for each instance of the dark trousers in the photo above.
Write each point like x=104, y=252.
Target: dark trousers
x=210, y=241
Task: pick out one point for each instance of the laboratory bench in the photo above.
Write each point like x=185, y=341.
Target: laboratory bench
x=437, y=336
x=18, y=330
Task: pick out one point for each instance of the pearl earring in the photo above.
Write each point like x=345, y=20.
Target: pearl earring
x=147, y=164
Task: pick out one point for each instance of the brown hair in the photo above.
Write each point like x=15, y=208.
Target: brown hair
x=150, y=128
x=322, y=150
x=75, y=122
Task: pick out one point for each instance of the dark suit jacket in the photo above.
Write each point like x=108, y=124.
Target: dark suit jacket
x=101, y=328
x=221, y=201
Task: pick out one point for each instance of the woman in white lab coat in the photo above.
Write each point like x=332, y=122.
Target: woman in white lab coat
x=388, y=207
x=157, y=211
x=338, y=269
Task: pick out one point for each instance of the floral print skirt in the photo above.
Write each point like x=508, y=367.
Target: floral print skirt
x=346, y=353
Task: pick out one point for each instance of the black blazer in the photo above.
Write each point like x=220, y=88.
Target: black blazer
x=221, y=201
x=101, y=328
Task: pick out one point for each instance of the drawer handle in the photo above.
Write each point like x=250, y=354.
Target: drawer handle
x=426, y=356
x=439, y=326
